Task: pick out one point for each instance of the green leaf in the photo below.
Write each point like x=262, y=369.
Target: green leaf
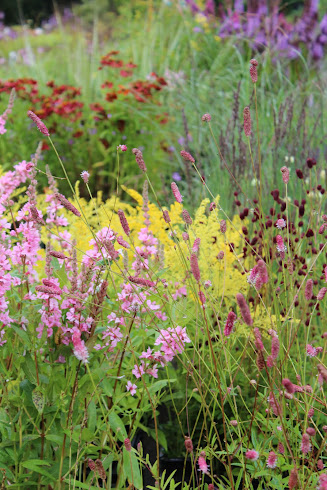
x=158, y=385
x=132, y=469
x=92, y=416
x=117, y=426
x=29, y=369
x=23, y=335
x=38, y=399
x=34, y=465
x=54, y=438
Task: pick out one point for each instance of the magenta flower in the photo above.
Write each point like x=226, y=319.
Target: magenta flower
x=85, y=176
x=252, y=454
x=131, y=388
x=272, y=460
x=305, y=444
x=40, y=125
x=280, y=223
x=206, y=118
x=122, y=147
x=311, y=351
x=202, y=463
x=177, y=194
x=229, y=325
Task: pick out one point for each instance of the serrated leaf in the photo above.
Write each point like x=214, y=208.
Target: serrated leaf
x=23, y=335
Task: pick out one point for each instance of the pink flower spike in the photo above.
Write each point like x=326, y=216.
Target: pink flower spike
x=40, y=125
x=245, y=310
x=285, y=174
x=280, y=223
x=85, y=176
x=206, y=118
x=305, y=444
x=252, y=454
x=280, y=244
x=229, y=325
x=202, y=463
x=177, y=194
x=187, y=156
x=122, y=147
x=131, y=388
x=308, y=289
x=272, y=460
x=311, y=351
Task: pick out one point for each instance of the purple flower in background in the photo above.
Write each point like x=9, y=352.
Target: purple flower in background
x=181, y=141
x=92, y=131
x=197, y=29
x=176, y=176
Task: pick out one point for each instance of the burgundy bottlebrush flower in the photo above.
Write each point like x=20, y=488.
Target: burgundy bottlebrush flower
x=166, y=216
x=109, y=246
x=40, y=125
x=258, y=275
x=223, y=226
x=289, y=386
x=270, y=362
x=229, y=325
x=122, y=242
x=206, y=117
x=257, y=339
x=91, y=464
x=100, y=469
x=247, y=121
x=320, y=464
x=272, y=460
x=124, y=222
x=139, y=159
x=50, y=284
x=293, y=479
x=252, y=454
x=185, y=236
x=299, y=173
x=187, y=156
x=253, y=70
x=188, y=444
x=305, y=444
x=234, y=423
x=57, y=255
x=212, y=206
x=48, y=290
x=221, y=255
x=260, y=360
x=186, y=217
x=321, y=294
x=244, y=308
x=202, y=463
x=285, y=174
x=308, y=289
x=195, y=267
x=66, y=204
x=36, y=216
x=177, y=194
x=127, y=444
x=281, y=448
x=140, y=281
x=311, y=431
x=202, y=297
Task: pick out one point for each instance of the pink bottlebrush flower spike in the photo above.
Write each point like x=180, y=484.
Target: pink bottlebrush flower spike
x=195, y=267
x=202, y=463
x=252, y=454
x=229, y=325
x=308, y=289
x=68, y=205
x=285, y=174
x=124, y=222
x=139, y=159
x=272, y=460
x=253, y=70
x=244, y=308
x=40, y=125
x=187, y=156
x=177, y=194
x=206, y=117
